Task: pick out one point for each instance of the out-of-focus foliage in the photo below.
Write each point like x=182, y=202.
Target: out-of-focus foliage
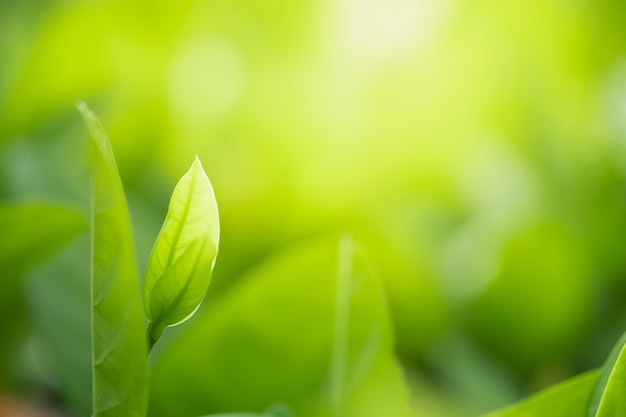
x=58, y=297
x=476, y=149
x=30, y=233
x=607, y=399
x=327, y=352
x=569, y=399
x=594, y=394
x=274, y=411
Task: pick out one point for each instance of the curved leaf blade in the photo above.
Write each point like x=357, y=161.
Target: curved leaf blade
x=567, y=399
x=182, y=259
x=119, y=351
x=608, y=396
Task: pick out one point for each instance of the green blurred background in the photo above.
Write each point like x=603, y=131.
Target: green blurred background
x=476, y=150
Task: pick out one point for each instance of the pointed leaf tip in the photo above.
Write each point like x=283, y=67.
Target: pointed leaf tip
x=182, y=259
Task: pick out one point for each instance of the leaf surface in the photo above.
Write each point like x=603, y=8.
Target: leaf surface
x=567, y=399
x=608, y=395
x=119, y=351
x=181, y=263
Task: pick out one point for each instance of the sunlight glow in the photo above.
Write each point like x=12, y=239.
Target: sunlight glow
x=378, y=30
x=207, y=78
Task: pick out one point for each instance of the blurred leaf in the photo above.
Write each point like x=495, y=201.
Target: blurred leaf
x=244, y=415
x=362, y=337
x=517, y=318
x=271, y=338
x=181, y=263
x=474, y=378
x=58, y=297
x=402, y=245
x=608, y=396
x=119, y=347
x=274, y=411
x=30, y=233
x=568, y=399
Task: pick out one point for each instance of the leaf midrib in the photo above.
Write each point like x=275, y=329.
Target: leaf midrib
x=179, y=231
x=183, y=290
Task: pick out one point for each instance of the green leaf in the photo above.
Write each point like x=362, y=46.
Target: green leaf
x=119, y=351
x=59, y=306
x=362, y=354
x=30, y=233
x=182, y=259
x=567, y=399
x=608, y=396
x=270, y=338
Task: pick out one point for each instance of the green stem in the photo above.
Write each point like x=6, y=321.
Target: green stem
x=153, y=334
